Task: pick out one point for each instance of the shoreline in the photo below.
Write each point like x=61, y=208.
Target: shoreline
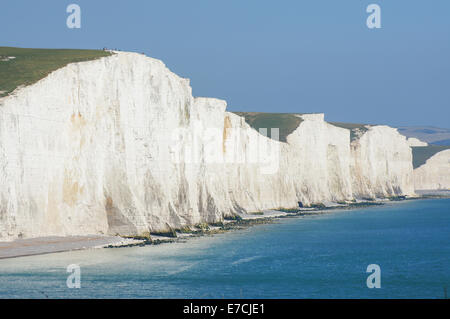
x=56, y=244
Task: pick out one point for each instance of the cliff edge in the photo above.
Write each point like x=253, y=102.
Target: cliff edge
x=119, y=145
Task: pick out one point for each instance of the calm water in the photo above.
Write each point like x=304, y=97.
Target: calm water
x=312, y=257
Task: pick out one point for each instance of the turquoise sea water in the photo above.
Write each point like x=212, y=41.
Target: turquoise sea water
x=322, y=256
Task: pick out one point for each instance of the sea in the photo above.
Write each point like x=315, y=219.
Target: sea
x=397, y=250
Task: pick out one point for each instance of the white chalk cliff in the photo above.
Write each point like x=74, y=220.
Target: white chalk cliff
x=435, y=173
x=118, y=145
x=412, y=141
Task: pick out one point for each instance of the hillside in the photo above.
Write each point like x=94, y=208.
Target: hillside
x=21, y=67
x=429, y=134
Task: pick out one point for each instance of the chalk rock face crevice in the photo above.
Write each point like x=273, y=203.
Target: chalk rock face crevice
x=120, y=146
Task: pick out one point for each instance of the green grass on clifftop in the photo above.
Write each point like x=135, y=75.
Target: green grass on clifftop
x=30, y=65
x=288, y=122
x=285, y=122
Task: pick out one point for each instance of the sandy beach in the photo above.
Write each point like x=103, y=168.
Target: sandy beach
x=46, y=245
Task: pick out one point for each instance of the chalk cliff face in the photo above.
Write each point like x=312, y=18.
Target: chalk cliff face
x=435, y=173
x=382, y=164
x=119, y=146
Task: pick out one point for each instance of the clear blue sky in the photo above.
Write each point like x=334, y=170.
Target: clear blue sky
x=271, y=56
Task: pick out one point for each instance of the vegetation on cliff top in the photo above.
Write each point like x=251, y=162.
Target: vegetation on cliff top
x=285, y=122
x=22, y=67
x=288, y=123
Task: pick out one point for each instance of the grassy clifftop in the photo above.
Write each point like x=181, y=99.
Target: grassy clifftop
x=22, y=67
x=286, y=122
